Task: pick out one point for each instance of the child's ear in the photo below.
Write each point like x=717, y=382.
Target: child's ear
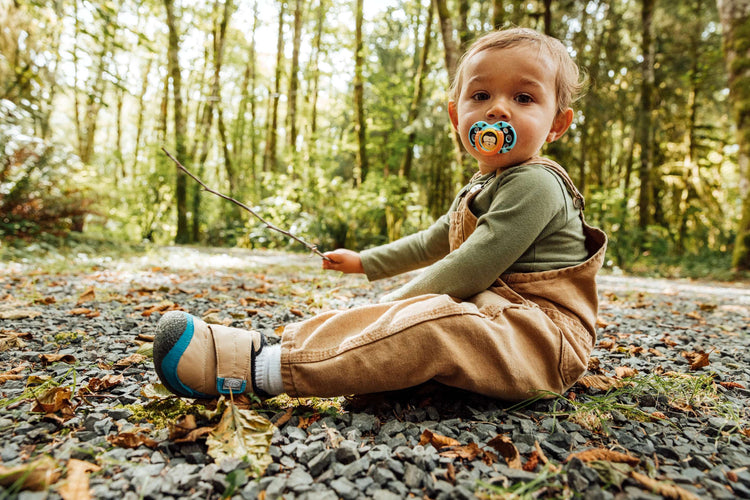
x=560, y=125
x=453, y=112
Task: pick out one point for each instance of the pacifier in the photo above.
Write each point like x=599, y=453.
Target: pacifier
x=490, y=139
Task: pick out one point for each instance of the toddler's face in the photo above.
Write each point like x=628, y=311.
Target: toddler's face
x=515, y=85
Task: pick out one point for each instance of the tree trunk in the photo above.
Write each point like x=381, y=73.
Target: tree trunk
x=316, y=69
x=139, y=119
x=645, y=199
x=498, y=14
x=182, y=236
x=548, y=17
x=451, y=63
x=359, y=98
x=419, y=78
x=269, y=155
x=735, y=21
x=294, y=76
x=214, y=100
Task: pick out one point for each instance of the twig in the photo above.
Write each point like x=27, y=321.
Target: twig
x=310, y=246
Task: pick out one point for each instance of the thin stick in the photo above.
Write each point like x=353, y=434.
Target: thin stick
x=309, y=246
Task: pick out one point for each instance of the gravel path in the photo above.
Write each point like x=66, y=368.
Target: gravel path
x=662, y=413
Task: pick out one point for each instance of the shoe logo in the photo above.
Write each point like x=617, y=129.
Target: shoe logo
x=233, y=384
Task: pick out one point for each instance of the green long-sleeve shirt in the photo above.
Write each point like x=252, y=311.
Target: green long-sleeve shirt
x=527, y=222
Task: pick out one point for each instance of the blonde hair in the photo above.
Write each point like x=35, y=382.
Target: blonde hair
x=569, y=82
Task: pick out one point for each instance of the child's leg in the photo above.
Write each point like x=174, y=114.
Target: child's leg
x=490, y=345
x=499, y=346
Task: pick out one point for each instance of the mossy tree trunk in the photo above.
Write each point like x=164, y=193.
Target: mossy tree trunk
x=735, y=21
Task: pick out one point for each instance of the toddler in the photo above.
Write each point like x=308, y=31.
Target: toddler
x=506, y=304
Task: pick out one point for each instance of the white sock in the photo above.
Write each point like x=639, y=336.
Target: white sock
x=268, y=370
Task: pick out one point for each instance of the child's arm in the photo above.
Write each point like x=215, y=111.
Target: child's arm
x=346, y=261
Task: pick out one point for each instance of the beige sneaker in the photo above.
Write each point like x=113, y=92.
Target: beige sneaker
x=197, y=360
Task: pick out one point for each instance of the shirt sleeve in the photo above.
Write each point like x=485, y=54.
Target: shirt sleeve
x=406, y=254
x=524, y=203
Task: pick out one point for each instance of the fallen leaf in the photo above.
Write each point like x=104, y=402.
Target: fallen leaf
x=56, y=399
x=697, y=359
x=48, y=359
x=76, y=485
x=467, y=452
x=84, y=311
x=108, y=381
x=603, y=454
x=133, y=359
x=504, y=445
x=132, y=439
x=532, y=462
x=242, y=434
x=20, y=314
x=731, y=385
x=155, y=391
x=436, y=440
x=12, y=374
x=284, y=418
x=664, y=489
x=37, y=475
x=10, y=341
x=88, y=296
x=594, y=365
x=611, y=473
x=625, y=372
x=601, y=382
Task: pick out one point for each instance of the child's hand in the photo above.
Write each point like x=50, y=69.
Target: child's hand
x=346, y=261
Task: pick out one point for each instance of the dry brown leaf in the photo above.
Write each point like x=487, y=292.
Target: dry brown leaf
x=76, y=485
x=195, y=434
x=10, y=341
x=697, y=359
x=182, y=426
x=132, y=439
x=106, y=382
x=56, y=399
x=504, y=445
x=12, y=374
x=436, y=440
x=625, y=372
x=130, y=360
x=37, y=475
x=284, y=418
x=664, y=489
x=605, y=455
x=532, y=462
x=731, y=385
x=594, y=365
x=20, y=314
x=48, y=359
x=601, y=382
x=88, y=296
x=468, y=452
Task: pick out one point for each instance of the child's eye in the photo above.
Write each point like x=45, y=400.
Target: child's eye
x=480, y=96
x=524, y=99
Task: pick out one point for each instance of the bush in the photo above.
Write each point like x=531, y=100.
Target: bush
x=40, y=184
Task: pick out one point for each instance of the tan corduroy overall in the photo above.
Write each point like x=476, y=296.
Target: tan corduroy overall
x=528, y=332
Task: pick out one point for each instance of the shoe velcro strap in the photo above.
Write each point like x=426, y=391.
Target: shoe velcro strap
x=234, y=354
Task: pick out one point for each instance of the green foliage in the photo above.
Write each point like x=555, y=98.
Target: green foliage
x=43, y=188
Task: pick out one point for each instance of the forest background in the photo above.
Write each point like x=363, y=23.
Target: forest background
x=329, y=117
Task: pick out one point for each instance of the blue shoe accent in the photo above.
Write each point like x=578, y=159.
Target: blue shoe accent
x=172, y=359
x=230, y=385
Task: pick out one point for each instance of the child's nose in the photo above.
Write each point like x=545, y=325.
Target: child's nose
x=498, y=110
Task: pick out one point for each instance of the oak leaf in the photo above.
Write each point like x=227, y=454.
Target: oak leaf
x=48, y=359
x=697, y=359
x=601, y=382
x=132, y=439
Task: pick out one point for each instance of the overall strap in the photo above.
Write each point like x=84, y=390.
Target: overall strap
x=554, y=167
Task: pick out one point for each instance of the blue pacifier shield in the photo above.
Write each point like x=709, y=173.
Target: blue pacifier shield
x=490, y=139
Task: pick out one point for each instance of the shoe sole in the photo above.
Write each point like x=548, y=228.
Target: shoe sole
x=175, y=330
